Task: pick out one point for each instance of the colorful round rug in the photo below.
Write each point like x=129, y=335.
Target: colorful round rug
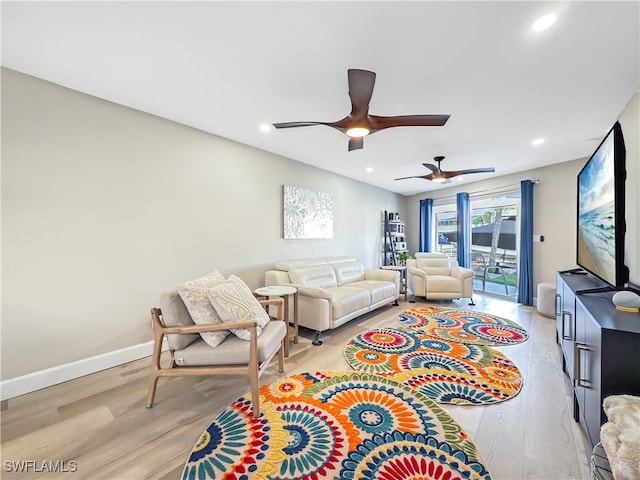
x=463, y=326
x=339, y=425
x=445, y=371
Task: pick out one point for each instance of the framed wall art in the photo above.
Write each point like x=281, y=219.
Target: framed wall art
x=307, y=213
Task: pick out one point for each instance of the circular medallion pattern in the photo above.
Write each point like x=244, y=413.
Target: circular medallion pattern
x=340, y=425
x=464, y=326
x=469, y=373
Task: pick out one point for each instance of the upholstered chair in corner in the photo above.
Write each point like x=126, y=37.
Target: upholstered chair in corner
x=435, y=276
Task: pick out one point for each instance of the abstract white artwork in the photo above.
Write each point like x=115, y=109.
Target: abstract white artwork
x=307, y=214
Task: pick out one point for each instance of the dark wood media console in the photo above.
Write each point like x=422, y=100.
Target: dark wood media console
x=600, y=348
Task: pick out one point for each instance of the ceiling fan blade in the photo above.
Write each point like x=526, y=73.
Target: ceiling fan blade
x=431, y=167
x=356, y=143
x=361, y=83
x=380, y=123
x=297, y=124
x=426, y=177
x=471, y=170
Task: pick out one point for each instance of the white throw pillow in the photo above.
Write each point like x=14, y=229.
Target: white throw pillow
x=234, y=301
x=194, y=295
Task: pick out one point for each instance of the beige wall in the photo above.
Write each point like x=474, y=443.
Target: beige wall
x=555, y=205
x=104, y=207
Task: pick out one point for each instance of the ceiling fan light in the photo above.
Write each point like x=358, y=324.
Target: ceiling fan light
x=439, y=179
x=358, y=132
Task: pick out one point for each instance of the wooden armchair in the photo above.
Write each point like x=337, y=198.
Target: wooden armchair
x=191, y=356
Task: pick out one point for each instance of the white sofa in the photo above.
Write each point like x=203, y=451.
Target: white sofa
x=435, y=276
x=334, y=290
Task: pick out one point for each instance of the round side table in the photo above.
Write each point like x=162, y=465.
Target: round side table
x=285, y=292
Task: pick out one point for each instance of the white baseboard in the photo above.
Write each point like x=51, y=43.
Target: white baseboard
x=31, y=382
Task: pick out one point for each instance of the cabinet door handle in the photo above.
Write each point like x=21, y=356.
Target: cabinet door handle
x=579, y=348
x=564, y=314
x=558, y=303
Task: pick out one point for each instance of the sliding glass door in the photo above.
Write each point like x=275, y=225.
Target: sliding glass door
x=495, y=240
x=495, y=227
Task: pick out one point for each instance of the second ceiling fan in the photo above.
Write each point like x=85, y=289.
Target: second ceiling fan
x=359, y=123
x=443, y=176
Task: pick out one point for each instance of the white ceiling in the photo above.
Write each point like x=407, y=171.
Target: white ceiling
x=228, y=67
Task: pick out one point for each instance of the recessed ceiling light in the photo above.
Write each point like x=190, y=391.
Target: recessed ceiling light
x=265, y=127
x=544, y=22
x=369, y=170
x=538, y=141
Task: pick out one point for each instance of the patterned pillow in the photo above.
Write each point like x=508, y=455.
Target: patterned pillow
x=194, y=295
x=234, y=301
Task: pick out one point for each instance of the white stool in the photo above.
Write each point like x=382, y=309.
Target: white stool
x=547, y=299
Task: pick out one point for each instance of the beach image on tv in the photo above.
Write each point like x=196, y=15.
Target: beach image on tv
x=596, y=214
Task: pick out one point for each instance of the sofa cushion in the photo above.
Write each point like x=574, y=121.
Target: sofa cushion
x=234, y=301
x=348, y=272
x=195, y=297
x=443, y=284
x=379, y=290
x=347, y=299
x=321, y=276
x=233, y=350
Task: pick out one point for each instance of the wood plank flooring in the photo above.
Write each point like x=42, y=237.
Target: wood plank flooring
x=101, y=423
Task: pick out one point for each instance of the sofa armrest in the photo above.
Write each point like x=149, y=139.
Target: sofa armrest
x=379, y=274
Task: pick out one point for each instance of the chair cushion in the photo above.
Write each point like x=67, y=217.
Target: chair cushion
x=443, y=284
x=434, y=266
x=234, y=301
x=195, y=297
x=175, y=314
x=233, y=351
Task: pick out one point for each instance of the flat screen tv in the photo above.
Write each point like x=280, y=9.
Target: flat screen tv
x=601, y=212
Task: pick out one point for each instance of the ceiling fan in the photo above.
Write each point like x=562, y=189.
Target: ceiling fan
x=443, y=176
x=359, y=123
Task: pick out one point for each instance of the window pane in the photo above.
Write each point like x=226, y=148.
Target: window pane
x=447, y=233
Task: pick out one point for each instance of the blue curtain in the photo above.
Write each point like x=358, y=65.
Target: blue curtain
x=525, y=270
x=426, y=217
x=464, y=229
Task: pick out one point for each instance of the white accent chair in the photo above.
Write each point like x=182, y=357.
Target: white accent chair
x=435, y=276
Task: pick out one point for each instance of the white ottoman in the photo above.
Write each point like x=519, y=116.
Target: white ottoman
x=547, y=299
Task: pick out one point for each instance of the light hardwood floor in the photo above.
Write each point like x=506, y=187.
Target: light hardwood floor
x=101, y=423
